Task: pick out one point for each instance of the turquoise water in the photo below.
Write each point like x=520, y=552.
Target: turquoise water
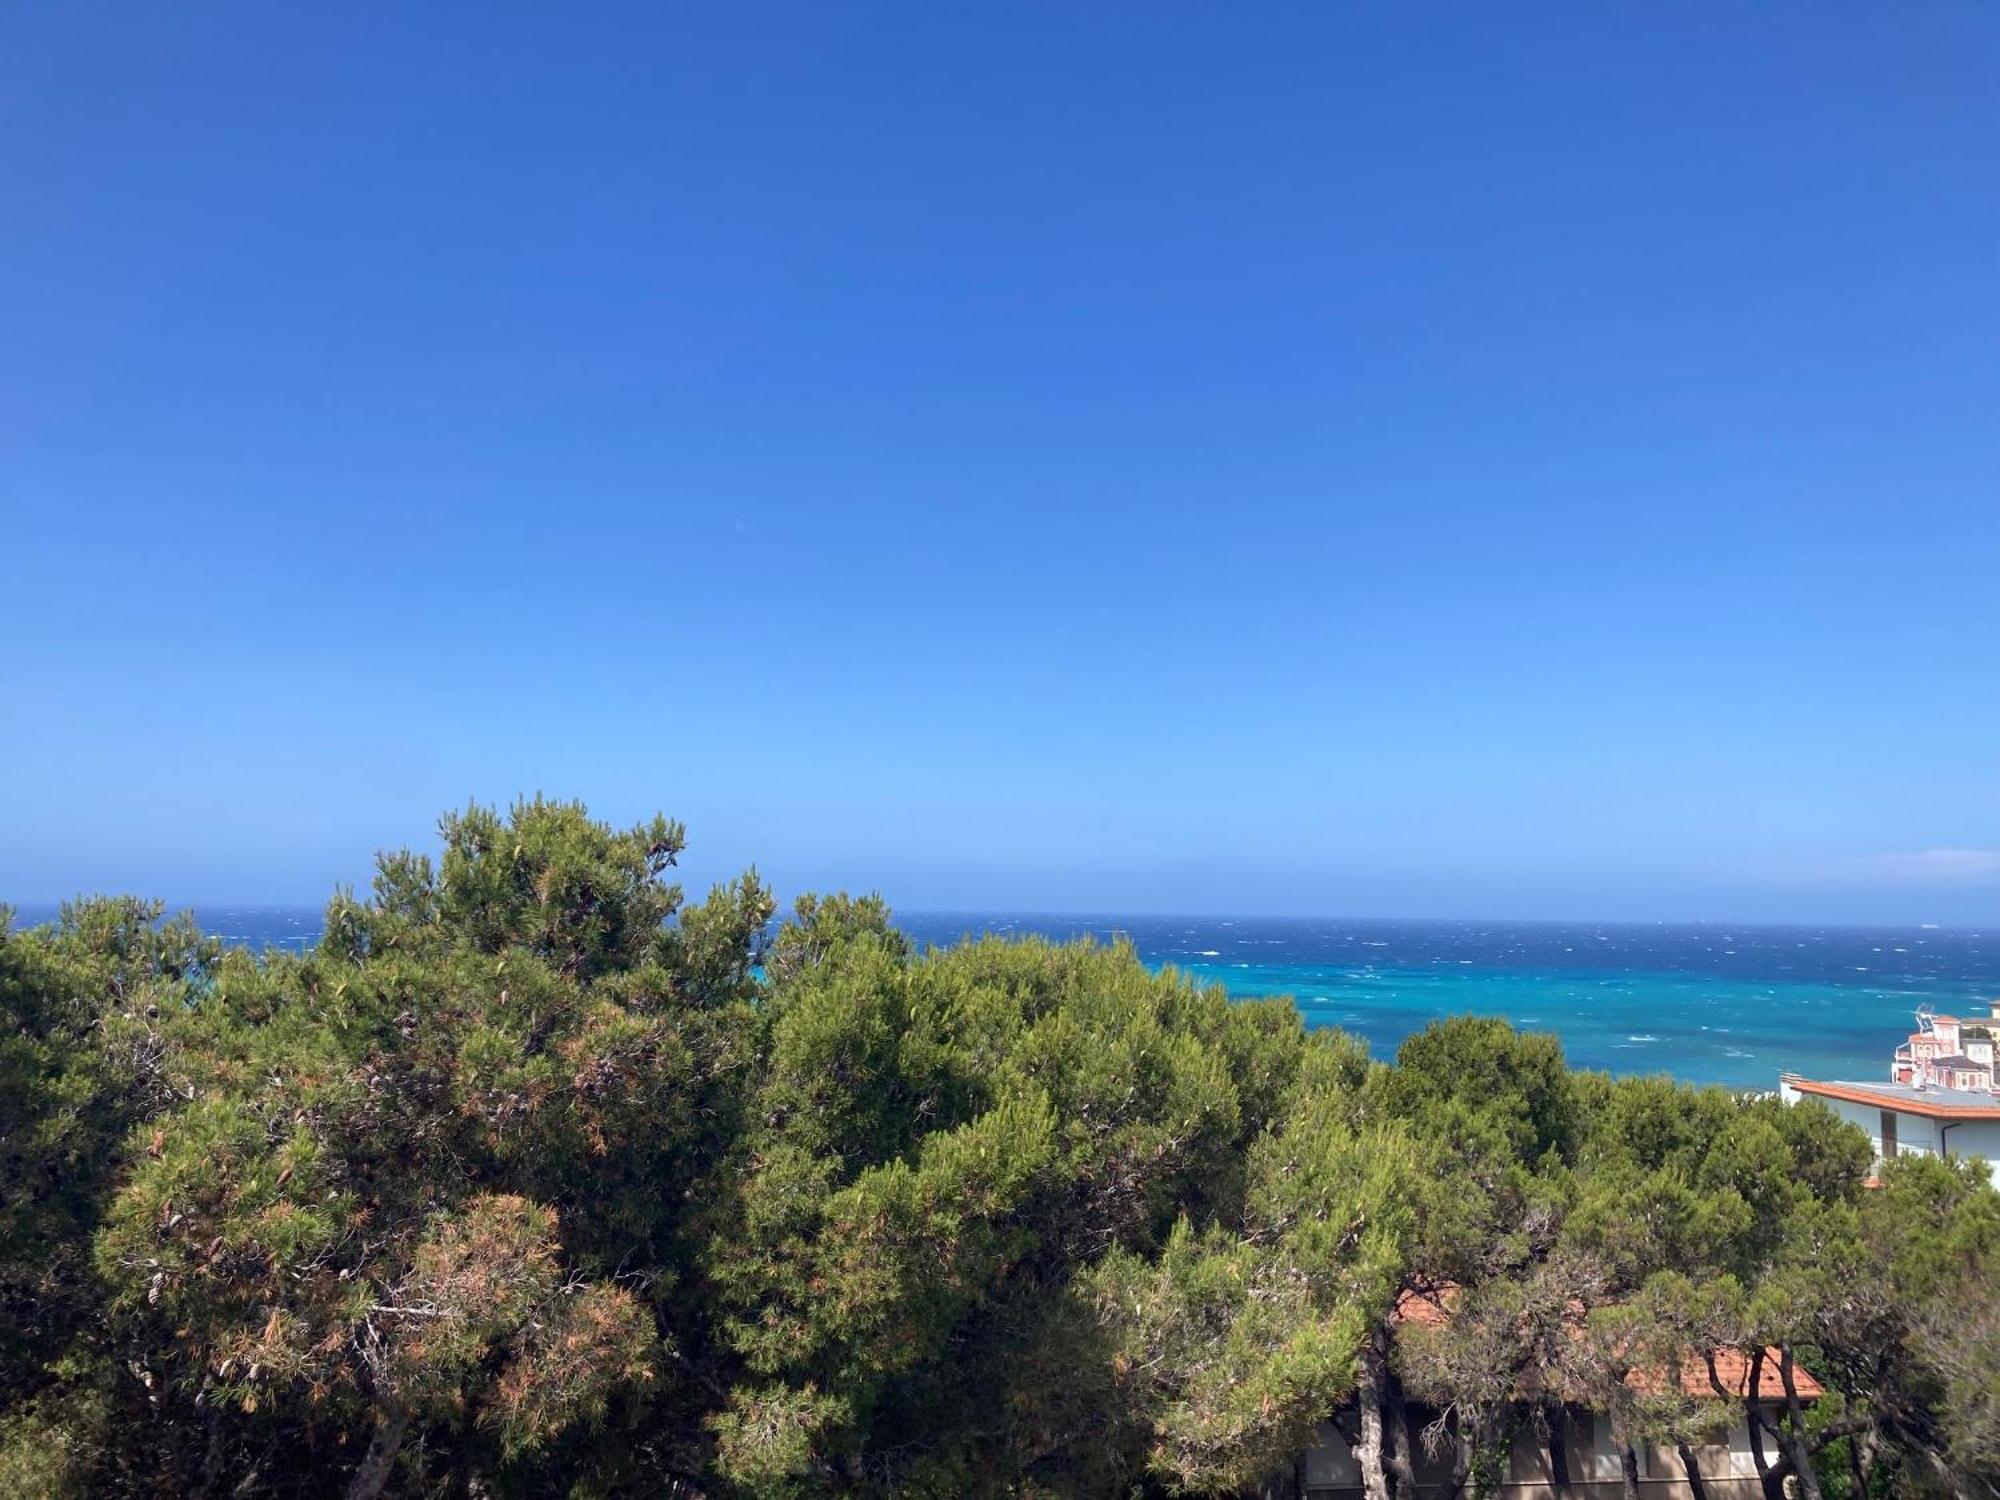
x=1701, y=1027
x=1707, y=1003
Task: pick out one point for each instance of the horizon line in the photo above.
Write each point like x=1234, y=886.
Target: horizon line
x=1109, y=915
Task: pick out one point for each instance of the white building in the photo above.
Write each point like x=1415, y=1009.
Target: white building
x=1945, y=1052
x=1901, y=1117
x=1329, y=1471
x=1728, y=1469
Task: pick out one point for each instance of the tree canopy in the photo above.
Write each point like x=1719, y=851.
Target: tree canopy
x=535, y=1178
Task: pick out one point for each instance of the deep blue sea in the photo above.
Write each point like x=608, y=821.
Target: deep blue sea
x=1707, y=1003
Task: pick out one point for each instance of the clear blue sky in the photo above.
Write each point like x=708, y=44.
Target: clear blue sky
x=1497, y=459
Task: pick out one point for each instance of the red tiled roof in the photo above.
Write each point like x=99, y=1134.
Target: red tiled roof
x=1417, y=1307
x=1732, y=1366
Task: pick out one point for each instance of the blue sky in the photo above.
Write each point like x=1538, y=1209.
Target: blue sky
x=1480, y=460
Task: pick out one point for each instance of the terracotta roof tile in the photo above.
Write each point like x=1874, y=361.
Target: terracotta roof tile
x=1732, y=1366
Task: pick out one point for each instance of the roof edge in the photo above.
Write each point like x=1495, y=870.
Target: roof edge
x=1861, y=1093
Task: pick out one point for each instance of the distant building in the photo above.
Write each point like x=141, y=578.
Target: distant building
x=1329, y=1470
x=1941, y=1098
x=1945, y=1052
x=1901, y=1117
x=1728, y=1468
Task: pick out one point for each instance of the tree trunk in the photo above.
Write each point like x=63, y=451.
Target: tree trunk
x=1400, y=1443
x=211, y=1463
x=1802, y=1467
x=1558, y=1423
x=1628, y=1471
x=1794, y=1438
x=1371, y=1396
x=1770, y=1477
x=1944, y=1476
x=390, y=1424
x=1462, y=1450
x=1691, y=1466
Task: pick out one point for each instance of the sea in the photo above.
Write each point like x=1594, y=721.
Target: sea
x=1706, y=1003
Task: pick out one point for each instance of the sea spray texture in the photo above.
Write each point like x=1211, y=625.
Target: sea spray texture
x=1709, y=1003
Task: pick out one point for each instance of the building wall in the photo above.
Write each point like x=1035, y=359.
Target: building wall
x=1919, y=1134
x=1979, y=1138
x=1328, y=1471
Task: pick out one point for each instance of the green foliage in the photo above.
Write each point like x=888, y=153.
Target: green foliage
x=1237, y=1341
x=941, y=1145
x=1493, y=1091
x=533, y=1178
x=88, y=1007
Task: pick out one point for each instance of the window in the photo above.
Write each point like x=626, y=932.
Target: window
x=1582, y=1434
x=1888, y=1134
